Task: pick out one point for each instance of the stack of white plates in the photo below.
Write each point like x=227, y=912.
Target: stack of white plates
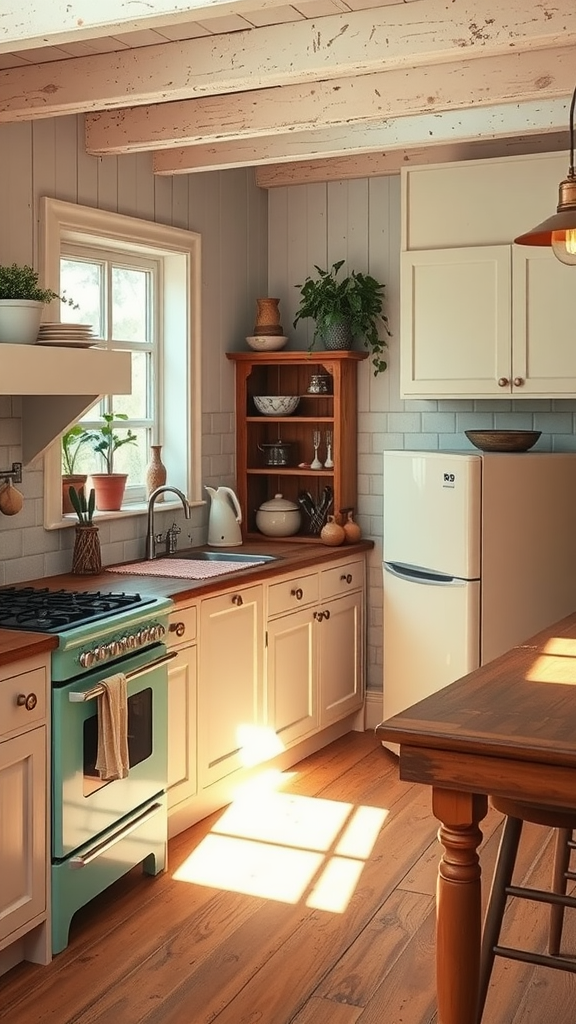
x=67, y=335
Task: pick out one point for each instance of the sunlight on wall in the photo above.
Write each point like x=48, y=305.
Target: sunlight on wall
x=286, y=847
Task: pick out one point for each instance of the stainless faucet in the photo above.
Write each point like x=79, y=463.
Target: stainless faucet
x=150, y=532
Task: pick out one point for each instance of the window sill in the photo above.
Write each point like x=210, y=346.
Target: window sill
x=137, y=508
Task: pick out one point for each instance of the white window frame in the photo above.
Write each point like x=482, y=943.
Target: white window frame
x=180, y=391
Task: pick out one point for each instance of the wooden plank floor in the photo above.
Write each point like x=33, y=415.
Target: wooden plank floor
x=309, y=901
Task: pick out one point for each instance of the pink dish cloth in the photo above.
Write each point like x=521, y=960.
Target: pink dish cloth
x=112, y=758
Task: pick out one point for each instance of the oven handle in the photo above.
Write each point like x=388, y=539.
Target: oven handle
x=96, y=851
x=97, y=691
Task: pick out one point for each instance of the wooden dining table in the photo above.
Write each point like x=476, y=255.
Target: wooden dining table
x=508, y=729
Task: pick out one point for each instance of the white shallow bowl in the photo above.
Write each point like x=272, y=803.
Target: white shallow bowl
x=267, y=342
x=276, y=405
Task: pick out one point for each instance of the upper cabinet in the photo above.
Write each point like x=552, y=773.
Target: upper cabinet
x=480, y=317
x=57, y=386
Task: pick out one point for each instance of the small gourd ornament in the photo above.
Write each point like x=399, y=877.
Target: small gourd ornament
x=352, y=530
x=332, y=534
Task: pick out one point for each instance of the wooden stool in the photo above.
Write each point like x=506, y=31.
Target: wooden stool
x=564, y=821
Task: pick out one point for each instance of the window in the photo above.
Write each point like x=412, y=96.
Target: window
x=139, y=284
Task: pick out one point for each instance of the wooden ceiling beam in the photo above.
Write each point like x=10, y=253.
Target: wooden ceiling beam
x=370, y=165
x=501, y=121
x=402, y=35
x=29, y=24
x=295, y=108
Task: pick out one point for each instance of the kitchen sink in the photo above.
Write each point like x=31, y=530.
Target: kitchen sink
x=222, y=556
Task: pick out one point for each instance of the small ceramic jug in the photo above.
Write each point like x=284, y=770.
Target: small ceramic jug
x=332, y=533
x=352, y=530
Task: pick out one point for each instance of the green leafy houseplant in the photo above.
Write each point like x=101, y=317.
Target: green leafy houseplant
x=106, y=442
x=83, y=509
x=72, y=442
x=356, y=300
x=21, y=282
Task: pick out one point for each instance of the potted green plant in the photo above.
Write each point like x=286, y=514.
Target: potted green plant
x=87, y=556
x=71, y=442
x=345, y=309
x=21, y=303
x=105, y=441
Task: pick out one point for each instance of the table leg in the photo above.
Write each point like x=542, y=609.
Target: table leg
x=458, y=921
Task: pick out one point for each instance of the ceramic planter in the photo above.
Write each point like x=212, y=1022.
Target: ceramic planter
x=19, y=321
x=109, y=489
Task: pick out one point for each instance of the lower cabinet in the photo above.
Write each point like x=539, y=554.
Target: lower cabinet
x=182, y=707
x=230, y=697
x=24, y=852
x=341, y=640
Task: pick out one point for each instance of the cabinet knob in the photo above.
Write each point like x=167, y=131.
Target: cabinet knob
x=503, y=382
x=298, y=594
x=28, y=701
x=237, y=599
x=177, y=627
x=346, y=578
x=518, y=382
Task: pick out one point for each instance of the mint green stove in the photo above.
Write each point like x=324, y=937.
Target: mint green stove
x=101, y=829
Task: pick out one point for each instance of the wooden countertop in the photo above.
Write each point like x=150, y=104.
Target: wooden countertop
x=291, y=557
x=15, y=645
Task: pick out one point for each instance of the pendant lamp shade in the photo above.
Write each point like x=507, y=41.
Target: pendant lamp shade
x=559, y=231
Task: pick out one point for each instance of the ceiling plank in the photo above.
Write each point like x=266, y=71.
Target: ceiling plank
x=294, y=108
x=28, y=24
x=501, y=121
x=370, y=165
x=332, y=47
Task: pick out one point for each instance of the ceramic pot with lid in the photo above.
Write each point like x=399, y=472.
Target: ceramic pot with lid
x=278, y=517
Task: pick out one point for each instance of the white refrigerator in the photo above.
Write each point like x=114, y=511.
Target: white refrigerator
x=479, y=553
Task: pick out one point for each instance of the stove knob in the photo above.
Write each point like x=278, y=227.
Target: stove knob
x=100, y=653
x=157, y=632
x=115, y=648
x=123, y=644
x=87, y=659
x=130, y=642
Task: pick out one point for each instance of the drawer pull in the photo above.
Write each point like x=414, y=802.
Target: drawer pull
x=346, y=578
x=518, y=382
x=326, y=614
x=503, y=382
x=321, y=615
x=237, y=600
x=298, y=594
x=177, y=627
x=28, y=701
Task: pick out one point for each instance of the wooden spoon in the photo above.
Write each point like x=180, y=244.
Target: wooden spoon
x=11, y=500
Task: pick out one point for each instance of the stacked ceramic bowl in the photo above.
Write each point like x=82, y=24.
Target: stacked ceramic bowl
x=276, y=405
x=267, y=342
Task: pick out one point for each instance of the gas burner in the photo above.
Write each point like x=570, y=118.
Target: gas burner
x=54, y=611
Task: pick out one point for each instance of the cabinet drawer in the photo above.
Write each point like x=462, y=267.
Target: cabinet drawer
x=342, y=578
x=28, y=684
x=292, y=594
x=183, y=626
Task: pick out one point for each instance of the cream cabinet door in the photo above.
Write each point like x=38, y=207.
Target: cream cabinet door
x=182, y=706
x=22, y=830
x=543, y=323
x=456, y=322
x=230, y=683
x=340, y=657
x=291, y=684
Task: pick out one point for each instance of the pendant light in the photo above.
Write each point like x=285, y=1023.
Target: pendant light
x=559, y=231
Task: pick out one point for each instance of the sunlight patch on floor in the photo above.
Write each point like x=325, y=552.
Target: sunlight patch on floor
x=286, y=847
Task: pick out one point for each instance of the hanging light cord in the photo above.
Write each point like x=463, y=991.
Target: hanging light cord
x=571, y=173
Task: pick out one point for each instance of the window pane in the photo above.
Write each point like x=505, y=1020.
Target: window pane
x=82, y=282
x=136, y=405
x=129, y=304
x=131, y=458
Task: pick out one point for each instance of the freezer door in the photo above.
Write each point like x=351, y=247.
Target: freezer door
x=431, y=635
x=432, y=511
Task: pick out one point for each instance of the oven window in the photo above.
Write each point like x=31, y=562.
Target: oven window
x=139, y=739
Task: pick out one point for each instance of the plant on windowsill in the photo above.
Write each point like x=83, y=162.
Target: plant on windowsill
x=105, y=441
x=22, y=301
x=345, y=309
x=87, y=557
x=71, y=442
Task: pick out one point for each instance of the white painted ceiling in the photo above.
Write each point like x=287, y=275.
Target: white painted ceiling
x=313, y=90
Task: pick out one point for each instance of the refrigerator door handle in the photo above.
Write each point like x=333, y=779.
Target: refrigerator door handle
x=415, y=574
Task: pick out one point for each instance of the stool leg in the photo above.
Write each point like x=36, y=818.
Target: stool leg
x=559, y=883
x=496, y=905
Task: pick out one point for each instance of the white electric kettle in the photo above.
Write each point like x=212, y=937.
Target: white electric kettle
x=225, y=518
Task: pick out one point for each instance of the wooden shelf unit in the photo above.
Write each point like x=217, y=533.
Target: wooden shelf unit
x=289, y=373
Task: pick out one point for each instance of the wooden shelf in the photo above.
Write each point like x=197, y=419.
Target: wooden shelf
x=288, y=373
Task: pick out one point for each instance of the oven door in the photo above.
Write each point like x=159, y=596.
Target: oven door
x=83, y=805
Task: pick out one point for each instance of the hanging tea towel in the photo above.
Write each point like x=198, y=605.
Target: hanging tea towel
x=112, y=759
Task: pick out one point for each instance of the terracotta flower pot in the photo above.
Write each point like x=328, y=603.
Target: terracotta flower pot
x=78, y=481
x=109, y=490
